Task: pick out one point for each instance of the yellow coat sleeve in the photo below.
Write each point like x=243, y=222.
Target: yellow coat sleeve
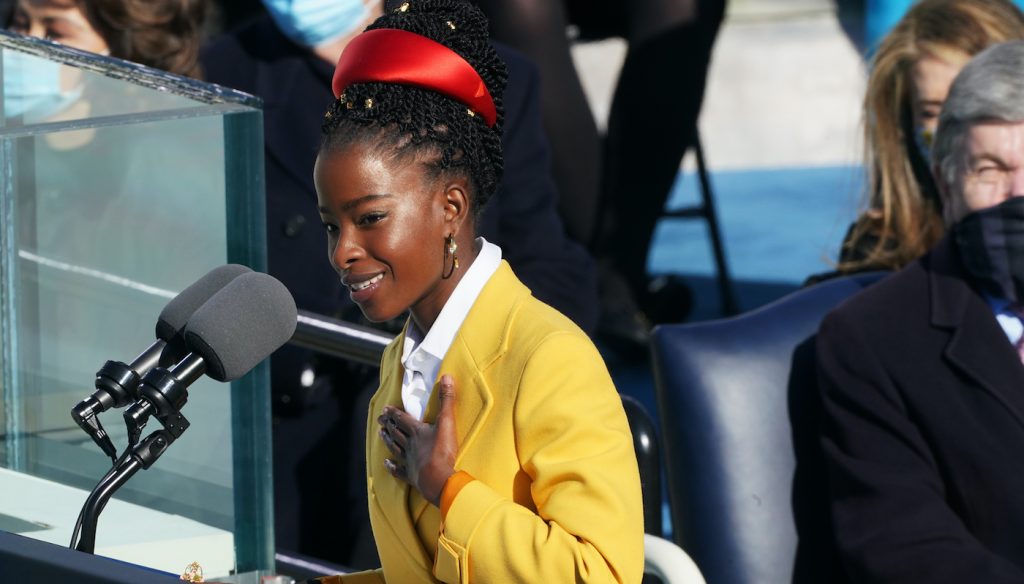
x=573, y=441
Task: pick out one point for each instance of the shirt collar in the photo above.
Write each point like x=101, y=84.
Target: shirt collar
x=1009, y=320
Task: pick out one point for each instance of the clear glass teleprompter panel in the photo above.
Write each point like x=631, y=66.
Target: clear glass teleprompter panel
x=120, y=186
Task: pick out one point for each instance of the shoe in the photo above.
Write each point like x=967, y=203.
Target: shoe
x=621, y=325
x=668, y=299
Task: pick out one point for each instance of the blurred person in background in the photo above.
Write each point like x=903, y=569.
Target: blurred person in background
x=164, y=34
x=614, y=193
x=921, y=373
x=910, y=76
x=287, y=57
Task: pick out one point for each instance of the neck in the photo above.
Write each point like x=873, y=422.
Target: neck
x=424, y=317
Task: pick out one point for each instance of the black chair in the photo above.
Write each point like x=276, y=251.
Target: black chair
x=738, y=403
x=705, y=210
x=648, y=457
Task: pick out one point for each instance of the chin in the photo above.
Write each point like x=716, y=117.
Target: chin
x=375, y=314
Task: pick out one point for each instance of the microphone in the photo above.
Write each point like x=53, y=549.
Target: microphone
x=117, y=383
x=237, y=328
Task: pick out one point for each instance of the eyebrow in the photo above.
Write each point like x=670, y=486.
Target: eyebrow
x=61, y=19
x=987, y=157
x=44, y=4
x=356, y=202
x=51, y=19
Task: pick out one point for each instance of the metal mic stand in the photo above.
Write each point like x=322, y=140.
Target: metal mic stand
x=142, y=456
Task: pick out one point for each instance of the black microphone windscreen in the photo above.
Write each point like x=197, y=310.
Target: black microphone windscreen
x=175, y=315
x=242, y=325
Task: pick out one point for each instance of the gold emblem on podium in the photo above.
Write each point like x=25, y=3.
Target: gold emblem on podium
x=193, y=573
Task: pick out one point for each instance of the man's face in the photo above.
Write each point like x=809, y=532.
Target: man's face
x=993, y=170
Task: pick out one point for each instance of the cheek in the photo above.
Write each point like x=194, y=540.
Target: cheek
x=332, y=248
x=414, y=247
x=85, y=37
x=415, y=242
x=980, y=197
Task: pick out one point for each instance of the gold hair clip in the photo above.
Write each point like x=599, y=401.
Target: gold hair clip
x=471, y=113
x=368, y=103
x=403, y=8
x=450, y=24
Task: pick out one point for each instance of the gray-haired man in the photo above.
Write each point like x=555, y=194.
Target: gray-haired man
x=922, y=381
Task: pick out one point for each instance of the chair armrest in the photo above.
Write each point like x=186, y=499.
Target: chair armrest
x=669, y=562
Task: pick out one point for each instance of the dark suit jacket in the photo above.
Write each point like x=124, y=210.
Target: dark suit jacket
x=924, y=430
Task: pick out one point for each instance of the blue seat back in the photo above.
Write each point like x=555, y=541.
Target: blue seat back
x=738, y=405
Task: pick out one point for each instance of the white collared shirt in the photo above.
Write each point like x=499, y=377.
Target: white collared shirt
x=1008, y=320
x=422, y=356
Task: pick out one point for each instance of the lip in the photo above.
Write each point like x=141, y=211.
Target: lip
x=360, y=295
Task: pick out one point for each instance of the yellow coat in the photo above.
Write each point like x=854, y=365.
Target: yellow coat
x=542, y=429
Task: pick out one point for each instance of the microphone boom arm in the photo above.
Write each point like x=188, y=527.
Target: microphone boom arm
x=142, y=457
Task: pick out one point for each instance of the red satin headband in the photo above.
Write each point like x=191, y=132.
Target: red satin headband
x=398, y=56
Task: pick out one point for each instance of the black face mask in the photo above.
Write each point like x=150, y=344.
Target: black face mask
x=991, y=245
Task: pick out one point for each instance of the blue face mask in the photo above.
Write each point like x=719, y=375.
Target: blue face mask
x=32, y=87
x=312, y=23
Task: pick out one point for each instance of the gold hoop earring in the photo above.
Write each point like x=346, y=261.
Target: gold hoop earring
x=449, y=250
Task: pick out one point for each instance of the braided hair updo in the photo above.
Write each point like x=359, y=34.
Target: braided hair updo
x=410, y=121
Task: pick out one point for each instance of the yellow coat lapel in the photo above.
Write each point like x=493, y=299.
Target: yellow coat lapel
x=481, y=340
x=388, y=494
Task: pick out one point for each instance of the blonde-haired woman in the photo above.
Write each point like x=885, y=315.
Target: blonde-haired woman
x=910, y=76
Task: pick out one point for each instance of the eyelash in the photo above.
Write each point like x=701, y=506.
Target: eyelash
x=370, y=219
x=366, y=220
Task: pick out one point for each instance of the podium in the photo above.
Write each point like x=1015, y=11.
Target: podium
x=29, y=561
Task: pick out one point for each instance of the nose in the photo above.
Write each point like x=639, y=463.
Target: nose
x=347, y=249
x=36, y=29
x=1017, y=182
